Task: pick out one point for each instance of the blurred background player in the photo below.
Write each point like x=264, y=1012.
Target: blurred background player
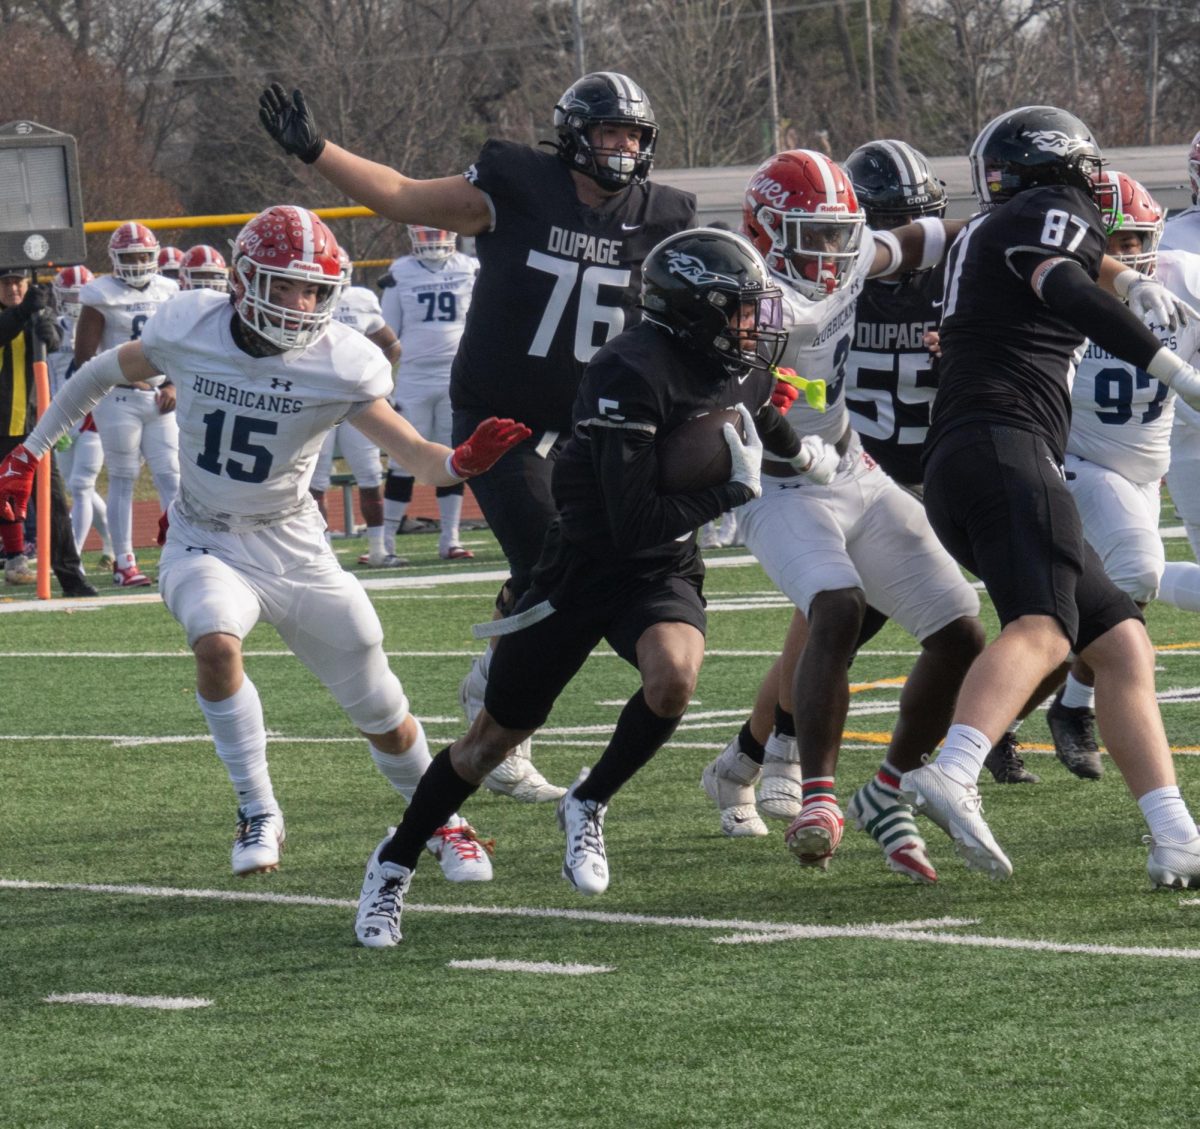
x=169, y=260
x=358, y=308
x=203, y=268
x=262, y=378
x=1182, y=230
x=136, y=420
x=425, y=300
x=560, y=274
x=83, y=456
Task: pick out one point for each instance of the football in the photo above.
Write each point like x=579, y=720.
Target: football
x=695, y=455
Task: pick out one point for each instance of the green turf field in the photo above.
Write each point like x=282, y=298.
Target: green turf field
x=716, y=983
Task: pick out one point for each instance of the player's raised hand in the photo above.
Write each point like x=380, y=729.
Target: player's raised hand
x=746, y=453
x=488, y=442
x=290, y=122
x=16, y=483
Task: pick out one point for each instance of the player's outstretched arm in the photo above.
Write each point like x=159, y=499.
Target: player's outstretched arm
x=433, y=463
x=450, y=202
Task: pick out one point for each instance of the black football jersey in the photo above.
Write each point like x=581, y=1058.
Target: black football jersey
x=640, y=387
x=890, y=376
x=1007, y=357
x=557, y=280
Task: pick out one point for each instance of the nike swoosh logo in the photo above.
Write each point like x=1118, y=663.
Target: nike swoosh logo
x=743, y=379
x=630, y=226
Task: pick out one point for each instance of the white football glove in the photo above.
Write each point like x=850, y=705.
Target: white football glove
x=1177, y=375
x=817, y=460
x=747, y=456
x=1150, y=301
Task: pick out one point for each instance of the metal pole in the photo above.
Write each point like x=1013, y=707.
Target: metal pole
x=577, y=27
x=774, y=87
x=1152, y=80
x=872, y=112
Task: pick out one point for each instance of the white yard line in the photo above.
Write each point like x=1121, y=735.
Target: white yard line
x=114, y=999
x=544, y=967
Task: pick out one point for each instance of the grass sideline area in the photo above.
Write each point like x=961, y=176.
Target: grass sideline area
x=716, y=983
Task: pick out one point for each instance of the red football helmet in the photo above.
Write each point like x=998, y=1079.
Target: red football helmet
x=285, y=242
x=1194, y=168
x=1132, y=211
x=203, y=268
x=67, y=284
x=133, y=249
x=431, y=244
x=801, y=213
x=169, y=259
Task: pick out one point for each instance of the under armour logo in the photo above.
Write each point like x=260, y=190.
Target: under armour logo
x=286, y=385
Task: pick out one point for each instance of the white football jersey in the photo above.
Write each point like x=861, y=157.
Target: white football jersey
x=250, y=428
x=359, y=309
x=125, y=308
x=60, y=360
x=820, y=334
x=427, y=308
x=1120, y=416
x=1182, y=232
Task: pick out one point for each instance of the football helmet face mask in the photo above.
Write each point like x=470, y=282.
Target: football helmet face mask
x=1032, y=147
x=801, y=213
x=285, y=242
x=67, y=284
x=1133, y=212
x=203, y=268
x=1194, y=168
x=596, y=99
x=133, y=251
x=712, y=291
x=431, y=244
x=894, y=184
x=169, y=259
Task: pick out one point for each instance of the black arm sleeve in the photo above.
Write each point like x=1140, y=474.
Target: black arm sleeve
x=777, y=435
x=639, y=517
x=1106, y=320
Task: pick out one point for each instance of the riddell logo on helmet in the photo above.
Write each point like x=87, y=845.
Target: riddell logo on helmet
x=1056, y=142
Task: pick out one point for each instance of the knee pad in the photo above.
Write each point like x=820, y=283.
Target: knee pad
x=398, y=487
x=445, y=491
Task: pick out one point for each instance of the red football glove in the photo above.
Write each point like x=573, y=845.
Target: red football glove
x=16, y=483
x=784, y=395
x=488, y=442
x=164, y=523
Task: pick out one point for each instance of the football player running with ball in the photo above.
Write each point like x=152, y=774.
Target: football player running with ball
x=560, y=237
x=620, y=562
x=1021, y=296
x=262, y=374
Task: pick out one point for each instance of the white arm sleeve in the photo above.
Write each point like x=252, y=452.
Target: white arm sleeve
x=75, y=399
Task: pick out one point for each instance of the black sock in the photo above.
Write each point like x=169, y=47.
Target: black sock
x=640, y=733
x=785, y=723
x=750, y=745
x=440, y=793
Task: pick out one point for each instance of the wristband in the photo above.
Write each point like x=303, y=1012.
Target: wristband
x=1123, y=281
x=935, y=241
x=1165, y=365
x=888, y=240
x=452, y=472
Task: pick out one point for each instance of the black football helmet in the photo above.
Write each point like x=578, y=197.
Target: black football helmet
x=1029, y=148
x=894, y=184
x=605, y=96
x=699, y=285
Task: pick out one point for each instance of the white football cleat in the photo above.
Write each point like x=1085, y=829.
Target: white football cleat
x=1175, y=865
x=729, y=781
x=462, y=855
x=585, y=864
x=380, y=902
x=258, y=840
x=958, y=810
x=780, y=794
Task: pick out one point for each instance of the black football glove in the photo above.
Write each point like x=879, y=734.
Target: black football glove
x=46, y=331
x=289, y=121
x=36, y=299
x=385, y=281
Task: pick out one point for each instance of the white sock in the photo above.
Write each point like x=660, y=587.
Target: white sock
x=1167, y=815
x=237, y=729
x=1077, y=696
x=1014, y=726
x=393, y=519
x=120, y=514
x=449, y=514
x=404, y=772
x=1180, y=585
x=375, y=542
x=962, y=754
